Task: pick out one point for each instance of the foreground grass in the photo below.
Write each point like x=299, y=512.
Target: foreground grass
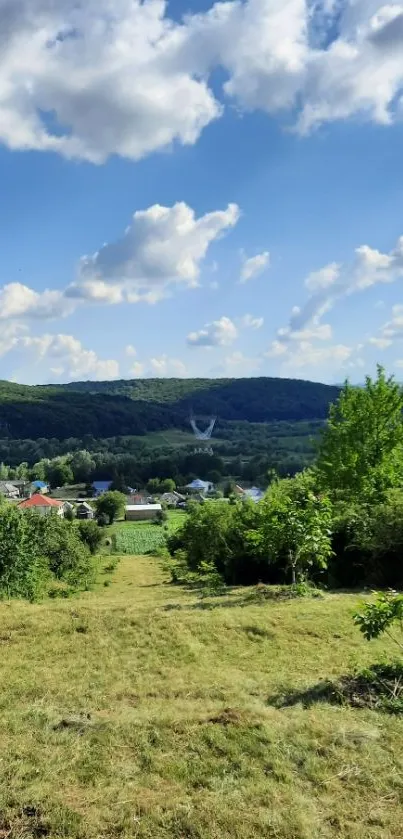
x=138, y=710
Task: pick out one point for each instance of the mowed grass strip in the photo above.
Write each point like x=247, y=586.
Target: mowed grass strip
x=139, y=710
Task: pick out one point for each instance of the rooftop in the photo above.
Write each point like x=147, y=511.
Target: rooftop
x=39, y=501
x=154, y=507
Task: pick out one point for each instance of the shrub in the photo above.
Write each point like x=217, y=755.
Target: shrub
x=24, y=571
x=90, y=534
x=368, y=544
x=68, y=558
x=162, y=516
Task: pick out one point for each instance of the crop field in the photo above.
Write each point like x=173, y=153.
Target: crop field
x=142, y=539
x=138, y=538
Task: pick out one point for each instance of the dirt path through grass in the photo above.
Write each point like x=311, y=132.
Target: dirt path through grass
x=139, y=710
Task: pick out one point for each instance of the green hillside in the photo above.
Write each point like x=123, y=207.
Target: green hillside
x=140, y=711
x=106, y=409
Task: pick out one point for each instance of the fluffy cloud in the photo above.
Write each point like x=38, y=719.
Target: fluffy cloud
x=306, y=354
x=91, y=79
x=325, y=278
x=254, y=266
x=391, y=331
x=219, y=333
x=250, y=322
x=162, y=246
x=96, y=78
x=17, y=300
x=73, y=360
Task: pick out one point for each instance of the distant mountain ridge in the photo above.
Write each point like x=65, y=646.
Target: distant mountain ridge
x=139, y=406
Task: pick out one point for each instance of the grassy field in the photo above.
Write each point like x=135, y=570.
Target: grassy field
x=139, y=710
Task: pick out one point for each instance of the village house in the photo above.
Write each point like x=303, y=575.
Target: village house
x=44, y=505
x=99, y=487
x=9, y=490
x=40, y=486
x=172, y=499
x=85, y=511
x=201, y=487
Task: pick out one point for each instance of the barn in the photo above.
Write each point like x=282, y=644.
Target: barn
x=142, y=512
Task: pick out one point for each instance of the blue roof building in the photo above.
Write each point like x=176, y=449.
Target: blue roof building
x=100, y=487
x=200, y=486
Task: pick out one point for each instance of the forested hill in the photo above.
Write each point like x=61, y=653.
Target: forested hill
x=107, y=409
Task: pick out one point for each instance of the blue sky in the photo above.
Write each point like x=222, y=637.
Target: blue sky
x=200, y=190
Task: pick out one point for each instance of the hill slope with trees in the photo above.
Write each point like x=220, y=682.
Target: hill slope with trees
x=105, y=409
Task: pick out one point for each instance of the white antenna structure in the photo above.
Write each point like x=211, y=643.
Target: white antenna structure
x=203, y=435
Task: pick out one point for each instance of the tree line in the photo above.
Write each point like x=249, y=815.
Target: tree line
x=339, y=523
x=106, y=409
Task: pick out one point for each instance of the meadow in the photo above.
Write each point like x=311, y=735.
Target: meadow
x=142, y=710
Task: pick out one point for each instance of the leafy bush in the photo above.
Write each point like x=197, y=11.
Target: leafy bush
x=379, y=616
x=286, y=534
x=162, y=516
x=24, y=571
x=367, y=544
x=68, y=558
x=90, y=534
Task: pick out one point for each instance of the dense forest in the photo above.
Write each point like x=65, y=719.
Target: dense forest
x=108, y=409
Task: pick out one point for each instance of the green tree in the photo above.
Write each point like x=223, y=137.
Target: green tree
x=168, y=485
x=296, y=526
x=59, y=473
x=111, y=504
x=91, y=534
x=22, y=471
x=360, y=455
x=4, y=472
x=82, y=465
x=39, y=470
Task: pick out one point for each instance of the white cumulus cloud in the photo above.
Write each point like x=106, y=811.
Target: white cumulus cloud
x=161, y=246
x=98, y=78
x=74, y=361
x=219, y=333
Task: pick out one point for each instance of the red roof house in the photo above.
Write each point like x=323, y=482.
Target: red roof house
x=43, y=505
